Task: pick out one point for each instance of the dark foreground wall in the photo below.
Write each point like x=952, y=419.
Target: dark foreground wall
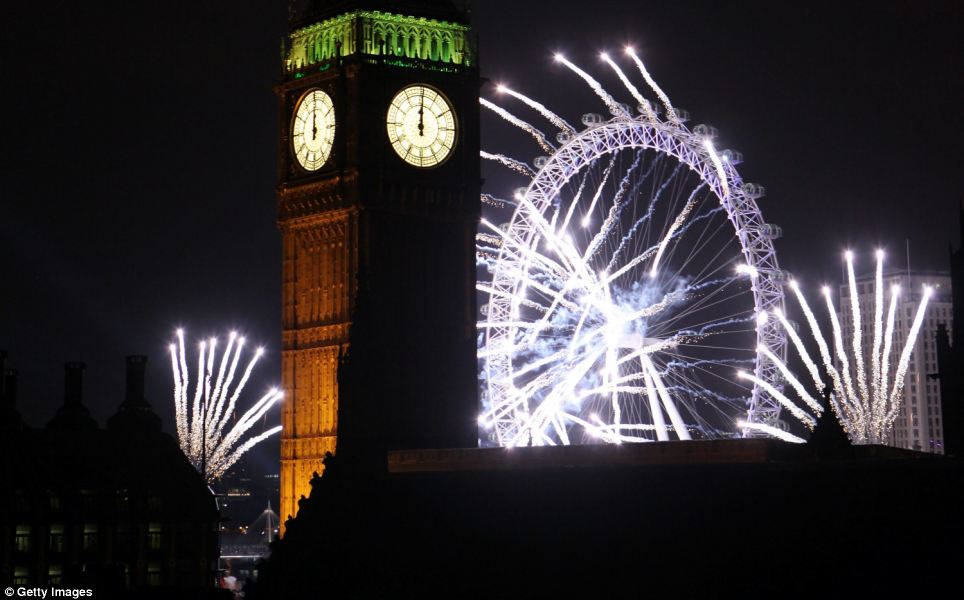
x=784, y=526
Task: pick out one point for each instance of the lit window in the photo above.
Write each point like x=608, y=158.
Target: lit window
x=154, y=536
x=21, y=576
x=57, y=537
x=90, y=536
x=22, y=539
x=54, y=575
x=154, y=573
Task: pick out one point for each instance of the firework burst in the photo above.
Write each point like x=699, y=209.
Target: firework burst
x=208, y=431
x=866, y=403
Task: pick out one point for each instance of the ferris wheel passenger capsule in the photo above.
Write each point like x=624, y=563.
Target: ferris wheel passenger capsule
x=540, y=161
x=563, y=137
x=648, y=106
x=771, y=231
x=519, y=193
x=779, y=275
x=777, y=379
x=682, y=114
x=732, y=156
x=705, y=131
x=754, y=190
x=484, y=310
x=592, y=119
x=620, y=109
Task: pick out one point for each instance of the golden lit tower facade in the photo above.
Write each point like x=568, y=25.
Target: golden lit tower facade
x=378, y=206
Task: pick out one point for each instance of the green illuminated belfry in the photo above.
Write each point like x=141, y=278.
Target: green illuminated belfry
x=379, y=33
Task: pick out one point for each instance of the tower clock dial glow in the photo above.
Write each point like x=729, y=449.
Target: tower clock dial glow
x=421, y=126
x=313, y=129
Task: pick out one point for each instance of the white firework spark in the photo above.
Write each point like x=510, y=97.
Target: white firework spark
x=868, y=409
x=204, y=429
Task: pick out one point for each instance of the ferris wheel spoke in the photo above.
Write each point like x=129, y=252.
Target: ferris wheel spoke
x=704, y=303
x=645, y=218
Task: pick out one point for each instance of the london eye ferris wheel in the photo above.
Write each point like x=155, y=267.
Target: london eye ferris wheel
x=623, y=280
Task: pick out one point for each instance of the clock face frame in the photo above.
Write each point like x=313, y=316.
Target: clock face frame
x=313, y=129
x=422, y=126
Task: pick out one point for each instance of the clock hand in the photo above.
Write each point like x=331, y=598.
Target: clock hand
x=421, y=116
x=314, y=129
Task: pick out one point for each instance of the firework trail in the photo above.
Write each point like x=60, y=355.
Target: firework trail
x=858, y=333
x=643, y=102
x=798, y=344
x=902, y=364
x=821, y=343
x=787, y=403
x=878, y=328
x=614, y=107
x=772, y=431
x=516, y=165
x=670, y=112
x=793, y=381
x=888, y=341
x=537, y=135
x=677, y=223
x=202, y=425
x=646, y=217
x=587, y=219
x=848, y=386
x=545, y=112
x=720, y=172
x=498, y=202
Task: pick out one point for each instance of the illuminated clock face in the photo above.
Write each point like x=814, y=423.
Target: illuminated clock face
x=313, y=129
x=421, y=126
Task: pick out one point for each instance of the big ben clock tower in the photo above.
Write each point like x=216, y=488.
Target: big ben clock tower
x=378, y=205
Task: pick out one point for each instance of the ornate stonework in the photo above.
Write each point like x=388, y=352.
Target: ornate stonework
x=379, y=34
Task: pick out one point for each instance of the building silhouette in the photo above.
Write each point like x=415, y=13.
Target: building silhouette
x=118, y=510
x=919, y=424
x=378, y=204
x=950, y=357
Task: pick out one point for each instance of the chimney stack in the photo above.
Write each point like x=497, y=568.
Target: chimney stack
x=3, y=374
x=74, y=383
x=9, y=380
x=134, y=416
x=136, y=366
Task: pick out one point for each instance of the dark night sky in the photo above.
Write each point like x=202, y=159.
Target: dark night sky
x=138, y=167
